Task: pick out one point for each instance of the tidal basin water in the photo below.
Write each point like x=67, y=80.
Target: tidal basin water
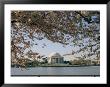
x=36, y=71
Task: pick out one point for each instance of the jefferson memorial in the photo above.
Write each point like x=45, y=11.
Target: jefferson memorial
x=55, y=58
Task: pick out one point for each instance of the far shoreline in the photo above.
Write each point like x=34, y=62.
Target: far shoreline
x=70, y=66
x=58, y=66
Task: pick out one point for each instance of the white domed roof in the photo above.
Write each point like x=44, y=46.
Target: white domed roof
x=55, y=55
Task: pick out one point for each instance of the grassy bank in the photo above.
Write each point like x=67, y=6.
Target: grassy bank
x=63, y=65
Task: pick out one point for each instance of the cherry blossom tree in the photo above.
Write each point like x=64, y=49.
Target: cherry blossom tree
x=81, y=28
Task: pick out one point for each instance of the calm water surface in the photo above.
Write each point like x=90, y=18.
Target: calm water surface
x=89, y=70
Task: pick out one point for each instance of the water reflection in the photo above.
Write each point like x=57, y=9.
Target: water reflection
x=91, y=70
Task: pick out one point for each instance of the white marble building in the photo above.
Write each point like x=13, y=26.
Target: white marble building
x=69, y=57
x=55, y=58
